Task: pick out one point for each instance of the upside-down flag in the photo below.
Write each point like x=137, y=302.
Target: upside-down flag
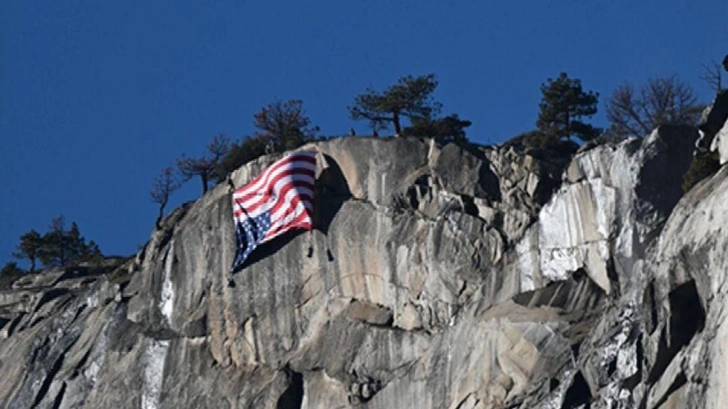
x=278, y=200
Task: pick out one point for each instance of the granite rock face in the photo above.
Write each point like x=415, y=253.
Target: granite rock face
x=440, y=276
x=714, y=127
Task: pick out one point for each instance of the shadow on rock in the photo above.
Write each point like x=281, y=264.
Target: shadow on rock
x=332, y=191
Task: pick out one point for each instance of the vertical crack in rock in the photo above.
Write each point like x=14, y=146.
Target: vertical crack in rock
x=82, y=363
x=650, y=316
x=48, y=381
x=59, y=397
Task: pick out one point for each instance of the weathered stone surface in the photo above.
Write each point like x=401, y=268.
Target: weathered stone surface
x=720, y=143
x=440, y=277
x=714, y=127
x=687, y=294
x=713, y=119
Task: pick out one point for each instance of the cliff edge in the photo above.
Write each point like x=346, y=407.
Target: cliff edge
x=441, y=276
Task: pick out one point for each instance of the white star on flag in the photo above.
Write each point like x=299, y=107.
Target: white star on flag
x=278, y=200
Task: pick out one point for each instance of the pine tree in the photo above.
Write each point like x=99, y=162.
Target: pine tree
x=29, y=247
x=563, y=105
x=449, y=128
x=410, y=98
x=62, y=247
x=54, y=249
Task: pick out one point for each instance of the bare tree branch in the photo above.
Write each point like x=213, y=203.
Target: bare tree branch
x=661, y=101
x=164, y=184
x=713, y=76
x=204, y=166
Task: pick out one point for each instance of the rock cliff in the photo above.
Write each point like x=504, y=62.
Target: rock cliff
x=440, y=276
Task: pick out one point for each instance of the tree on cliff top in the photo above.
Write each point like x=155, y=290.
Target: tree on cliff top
x=449, y=128
x=662, y=101
x=205, y=165
x=284, y=125
x=29, y=247
x=62, y=246
x=713, y=76
x=9, y=273
x=59, y=246
x=562, y=106
x=410, y=97
x=163, y=186
x=240, y=153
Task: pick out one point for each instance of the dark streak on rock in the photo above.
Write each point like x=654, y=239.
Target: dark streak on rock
x=687, y=317
x=48, y=381
x=59, y=398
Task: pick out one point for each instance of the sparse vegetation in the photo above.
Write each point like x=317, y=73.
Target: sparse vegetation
x=563, y=110
x=9, y=273
x=713, y=76
x=59, y=246
x=31, y=244
x=411, y=97
x=283, y=125
x=163, y=186
x=205, y=165
x=449, y=128
x=563, y=105
x=702, y=166
x=662, y=101
x=63, y=246
x=534, y=143
x=240, y=153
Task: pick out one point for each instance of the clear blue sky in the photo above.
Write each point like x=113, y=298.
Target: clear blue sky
x=97, y=96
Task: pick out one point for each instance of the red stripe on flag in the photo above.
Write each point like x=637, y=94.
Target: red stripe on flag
x=304, y=180
x=302, y=174
x=301, y=221
x=285, y=189
x=279, y=202
x=258, y=182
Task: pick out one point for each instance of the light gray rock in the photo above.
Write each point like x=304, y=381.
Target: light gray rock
x=687, y=335
x=441, y=277
x=720, y=144
x=712, y=120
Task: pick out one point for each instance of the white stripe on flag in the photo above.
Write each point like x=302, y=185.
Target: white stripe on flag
x=267, y=176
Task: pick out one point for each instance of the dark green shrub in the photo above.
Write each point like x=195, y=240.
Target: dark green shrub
x=9, y=273
x=240, y=153
x=702, y=166
x=563, y=105
x=448, y=129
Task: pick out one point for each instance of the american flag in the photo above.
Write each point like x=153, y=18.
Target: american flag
x=278, y=200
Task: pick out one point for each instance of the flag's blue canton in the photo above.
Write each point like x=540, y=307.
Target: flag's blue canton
x=249, y=234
